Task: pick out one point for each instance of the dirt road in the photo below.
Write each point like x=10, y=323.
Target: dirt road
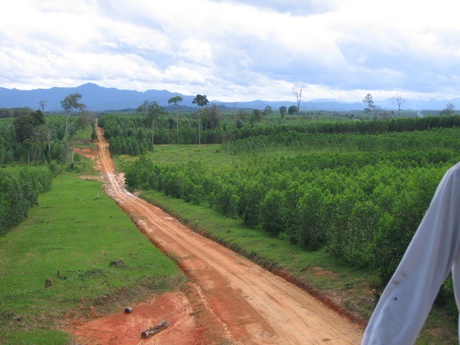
x=230, y=300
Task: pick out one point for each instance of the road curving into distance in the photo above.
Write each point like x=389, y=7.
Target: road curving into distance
x=245, y=303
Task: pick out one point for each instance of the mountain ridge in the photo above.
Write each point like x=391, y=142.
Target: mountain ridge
x=98, y=98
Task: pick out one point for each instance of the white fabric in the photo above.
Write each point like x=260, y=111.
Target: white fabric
x=431, y=255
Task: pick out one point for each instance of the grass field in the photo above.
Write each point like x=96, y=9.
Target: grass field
x=96, y=258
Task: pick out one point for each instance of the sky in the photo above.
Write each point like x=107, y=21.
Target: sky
x=235, y=50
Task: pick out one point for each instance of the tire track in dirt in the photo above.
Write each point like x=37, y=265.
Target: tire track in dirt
x=249, y=304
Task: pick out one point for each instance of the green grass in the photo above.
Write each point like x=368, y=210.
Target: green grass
x=104, y=262
x=80, y=139
x=167, y=155
x=215, y=157
x=37, y=337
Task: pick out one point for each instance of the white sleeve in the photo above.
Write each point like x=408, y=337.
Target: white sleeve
x=409, y=295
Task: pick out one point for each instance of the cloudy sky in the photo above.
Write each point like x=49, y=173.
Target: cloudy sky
x=235, y=50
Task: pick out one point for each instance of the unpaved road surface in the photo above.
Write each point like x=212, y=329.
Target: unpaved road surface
x=229, y=299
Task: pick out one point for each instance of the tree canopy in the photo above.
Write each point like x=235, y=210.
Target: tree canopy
x=175, y=100
x=369, y=101
x=200, y=100
x=72, y=102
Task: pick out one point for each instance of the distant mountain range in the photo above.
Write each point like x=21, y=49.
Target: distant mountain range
x=98, y=98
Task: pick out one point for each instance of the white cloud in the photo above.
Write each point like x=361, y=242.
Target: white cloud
x=178, y=73
x=234, y=49
x=293, y=7
x=195, y=51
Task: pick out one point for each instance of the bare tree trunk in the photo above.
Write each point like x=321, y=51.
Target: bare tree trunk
x=177, y=119
x=66, y=122
x=49, y=145
x=153, y=132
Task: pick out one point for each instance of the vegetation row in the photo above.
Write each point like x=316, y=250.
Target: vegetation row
x=359, y=196
x=36, y=146
x=19, y=190
x=136, y=135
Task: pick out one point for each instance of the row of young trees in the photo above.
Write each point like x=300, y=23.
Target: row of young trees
x=362, y=206
x=19, y=190
x=136, y=135
x=41, y=143
x=391, y=141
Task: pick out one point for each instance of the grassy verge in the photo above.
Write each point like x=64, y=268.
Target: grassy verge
x=347, y=289
x=96, y=258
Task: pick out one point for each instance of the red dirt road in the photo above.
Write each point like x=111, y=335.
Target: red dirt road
x=229, y=299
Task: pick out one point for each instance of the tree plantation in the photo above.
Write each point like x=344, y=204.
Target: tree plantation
x=357, y=189
x=330, y=201
x=19, y=190
x=33, y=146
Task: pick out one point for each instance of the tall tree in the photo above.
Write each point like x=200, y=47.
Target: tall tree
x=24, y=125
x=256, y=116
x=152, y=111
x=369, y=101
x=143, y=108
x=37, y=143
x=283, y=111
x=293, y=109
x=240, y=117
x=297, y=92
x=42, y=105
x=267, y=112
x=211, y=117
x=176, y=100
x=201, y=101
x=449, y=110
x=31, y=131
x=72, y=102
x=399, y=100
